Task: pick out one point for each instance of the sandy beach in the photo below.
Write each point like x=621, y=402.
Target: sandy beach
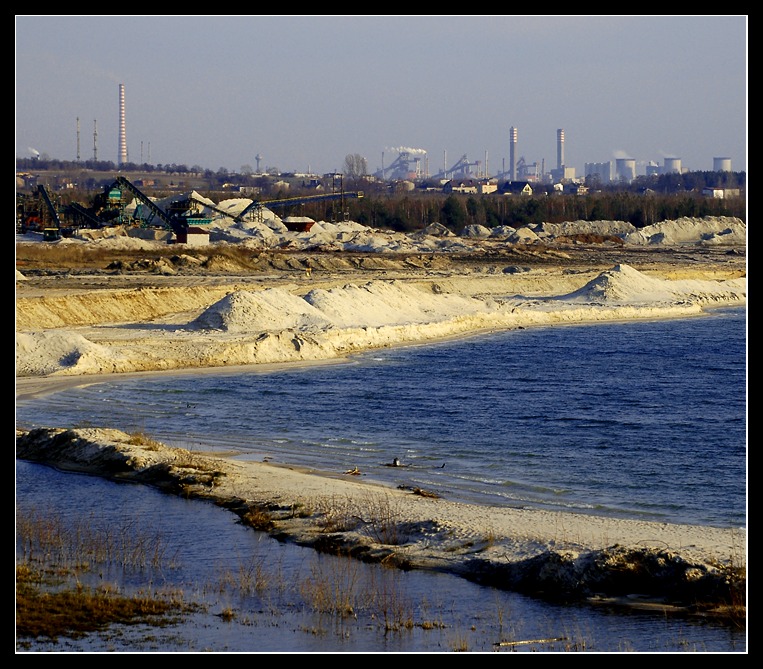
x=86, y=328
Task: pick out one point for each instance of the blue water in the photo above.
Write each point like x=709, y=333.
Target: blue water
x=636, y=420
x=207, y=557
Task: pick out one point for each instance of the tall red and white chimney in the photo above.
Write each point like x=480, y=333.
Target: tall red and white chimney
x=122, y=130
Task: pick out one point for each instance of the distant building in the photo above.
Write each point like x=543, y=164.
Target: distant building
x=602, y=171
x=517, y=188
x=672, y=166
x=563, y=174
x=575, y=189
x=193, y=236
x=469, y=186
x=720, y=193
x=722, y=164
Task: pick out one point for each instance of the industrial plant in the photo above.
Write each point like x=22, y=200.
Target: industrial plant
x=413, y=164
x=402, y=169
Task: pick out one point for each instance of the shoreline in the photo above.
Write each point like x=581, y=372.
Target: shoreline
x=577, y=557
x=535, y=551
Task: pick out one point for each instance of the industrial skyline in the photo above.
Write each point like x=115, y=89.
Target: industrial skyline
x=407, y=164
x=309, y=91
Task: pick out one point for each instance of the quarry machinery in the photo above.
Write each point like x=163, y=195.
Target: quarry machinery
x=38, y=213
x=255, y=208
x=177, y=218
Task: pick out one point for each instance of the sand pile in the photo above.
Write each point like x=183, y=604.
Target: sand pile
x=43, y=353
x=380, y=303
x=266, y=230
x=624, y=284
x=571, y=228
x=260, y=311
x=720, y=230
x=281, y=325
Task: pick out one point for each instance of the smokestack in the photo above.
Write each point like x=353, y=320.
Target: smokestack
x=512, y=148
x=559, y=149
x=122, y=130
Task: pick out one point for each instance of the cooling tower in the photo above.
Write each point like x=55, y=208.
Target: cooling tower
x=672, y=166
x=721, y=164
x=122, y=154
x=625, y=169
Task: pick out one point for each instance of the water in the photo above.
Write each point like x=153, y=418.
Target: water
x=209, y=556
x=637, y=420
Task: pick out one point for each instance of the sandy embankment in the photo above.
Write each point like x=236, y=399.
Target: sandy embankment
x=170, y=329
x=531, y=550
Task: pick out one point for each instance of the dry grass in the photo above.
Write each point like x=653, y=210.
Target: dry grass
x=143, y=440
x=74, y=613
x=50, y=600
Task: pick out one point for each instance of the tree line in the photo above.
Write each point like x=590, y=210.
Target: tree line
x=645, y=201
x=413, y=211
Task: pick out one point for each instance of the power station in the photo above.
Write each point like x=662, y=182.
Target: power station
x=407, y=165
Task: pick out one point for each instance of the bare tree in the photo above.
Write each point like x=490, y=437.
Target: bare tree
x=355, y=166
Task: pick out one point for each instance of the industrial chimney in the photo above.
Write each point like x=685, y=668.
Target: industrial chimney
x=122, y=155
x=559, y=149
x=512, y=148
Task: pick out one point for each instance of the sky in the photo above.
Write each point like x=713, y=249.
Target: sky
x=303, y=92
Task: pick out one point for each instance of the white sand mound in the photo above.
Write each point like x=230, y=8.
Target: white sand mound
x=61, y=352
x=619, y=228
x=375, y=304
x=381, y=303
x=522, y=236
x=711, y=229
x=624, y=284
x=260, y=311
x=477, y=231
x=502, y=231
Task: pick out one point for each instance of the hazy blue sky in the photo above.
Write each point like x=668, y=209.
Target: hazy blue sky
x=305, y=91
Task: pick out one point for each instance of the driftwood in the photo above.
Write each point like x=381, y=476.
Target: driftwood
x=529, y=641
